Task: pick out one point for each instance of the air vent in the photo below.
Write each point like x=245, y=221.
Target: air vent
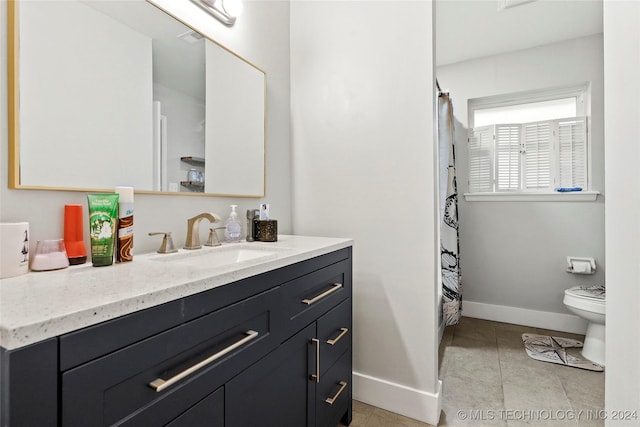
x=191, y=36
x=506, y=4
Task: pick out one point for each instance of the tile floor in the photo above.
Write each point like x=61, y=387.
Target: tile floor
x=488, y=376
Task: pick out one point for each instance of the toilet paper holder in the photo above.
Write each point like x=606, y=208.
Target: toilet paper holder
x=580, y=265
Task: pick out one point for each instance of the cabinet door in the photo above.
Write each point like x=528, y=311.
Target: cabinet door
x=209, y=412
x=28, y=390
x=276, y=391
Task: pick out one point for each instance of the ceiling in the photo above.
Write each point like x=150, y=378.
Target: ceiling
x=467, y=29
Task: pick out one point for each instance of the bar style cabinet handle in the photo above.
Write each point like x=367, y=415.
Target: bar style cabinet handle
x=159, y=384
x=316, y=377
x=326, y=293
x=336, y=339
x=330, y=400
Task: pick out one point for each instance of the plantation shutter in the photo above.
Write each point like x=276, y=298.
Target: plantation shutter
x=481, y=159
x=572, y=156
x=537, y=155
x=508, y=157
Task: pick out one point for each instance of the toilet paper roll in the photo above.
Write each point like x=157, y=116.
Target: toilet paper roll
x=581, y=267
x=14, y=249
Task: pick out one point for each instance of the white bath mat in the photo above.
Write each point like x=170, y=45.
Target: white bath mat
x=553, y=349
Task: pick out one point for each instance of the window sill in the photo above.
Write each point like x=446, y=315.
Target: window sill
x=577, y=196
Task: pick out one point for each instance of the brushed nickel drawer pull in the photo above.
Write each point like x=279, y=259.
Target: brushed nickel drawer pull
x=334, y=288
x=330, y=400
x=316, y=377
x=159, y=384
x=336, y=339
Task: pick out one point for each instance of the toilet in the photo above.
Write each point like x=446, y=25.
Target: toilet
x=589, y=303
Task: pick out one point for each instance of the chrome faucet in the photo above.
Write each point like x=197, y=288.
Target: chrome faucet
x=193, y=229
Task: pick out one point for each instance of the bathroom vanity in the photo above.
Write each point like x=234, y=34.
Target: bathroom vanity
x=260, y=339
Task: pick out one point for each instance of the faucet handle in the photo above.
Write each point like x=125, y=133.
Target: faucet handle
x=213, y=237
x=167, y=242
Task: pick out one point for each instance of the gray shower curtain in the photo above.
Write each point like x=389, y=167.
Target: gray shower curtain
x=449, y=244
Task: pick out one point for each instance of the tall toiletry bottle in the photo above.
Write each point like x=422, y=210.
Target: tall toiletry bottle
x=125, y=224
x=103, y=216
x=74, y=234
x=233, y=231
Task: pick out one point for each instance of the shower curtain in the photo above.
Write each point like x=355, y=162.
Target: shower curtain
x=449, y=244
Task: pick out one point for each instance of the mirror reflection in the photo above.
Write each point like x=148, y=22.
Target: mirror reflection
x=120, y=93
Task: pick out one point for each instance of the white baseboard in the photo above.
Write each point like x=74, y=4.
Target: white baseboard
x=403, y=400
x=522, y=316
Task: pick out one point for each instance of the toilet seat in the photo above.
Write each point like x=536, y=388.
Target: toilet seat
x=596, y=292
x=586, y=298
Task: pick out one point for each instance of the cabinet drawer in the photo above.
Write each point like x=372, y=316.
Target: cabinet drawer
x=333, y=393
x=334, y=333
x=200, y=356
x=308, y=297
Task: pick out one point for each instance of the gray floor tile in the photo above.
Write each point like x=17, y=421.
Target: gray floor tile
x=488, y=377
x=588, y=416
x=445, y=351
x=361, y=414
x=475, y=328
x=532, y=387
x=582, y=386
x=511, y=327
x=382, y=418
x=543, y=423
x=468, y=402
x=474, y=361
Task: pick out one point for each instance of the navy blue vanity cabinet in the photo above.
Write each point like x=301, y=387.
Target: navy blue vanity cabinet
x=29, y=385
x=271, y=349
x=307, y=380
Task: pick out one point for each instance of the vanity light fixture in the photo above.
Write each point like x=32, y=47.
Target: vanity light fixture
x=225, y=11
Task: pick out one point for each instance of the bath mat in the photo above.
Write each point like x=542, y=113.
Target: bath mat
x=553, y=349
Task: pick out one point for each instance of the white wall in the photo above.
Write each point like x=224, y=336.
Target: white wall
x=513, y=253
x=622, y=153
x=363, y=167
x=261, y=35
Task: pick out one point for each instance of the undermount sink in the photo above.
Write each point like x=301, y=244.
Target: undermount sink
x=231, y=254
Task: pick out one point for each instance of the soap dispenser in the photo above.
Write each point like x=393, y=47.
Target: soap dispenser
x=233, y=231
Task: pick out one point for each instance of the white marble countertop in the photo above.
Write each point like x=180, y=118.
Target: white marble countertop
x=41, y=305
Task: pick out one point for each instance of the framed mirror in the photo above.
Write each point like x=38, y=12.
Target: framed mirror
x=106, y=93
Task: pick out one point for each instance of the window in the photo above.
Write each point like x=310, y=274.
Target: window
x=528, y=143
